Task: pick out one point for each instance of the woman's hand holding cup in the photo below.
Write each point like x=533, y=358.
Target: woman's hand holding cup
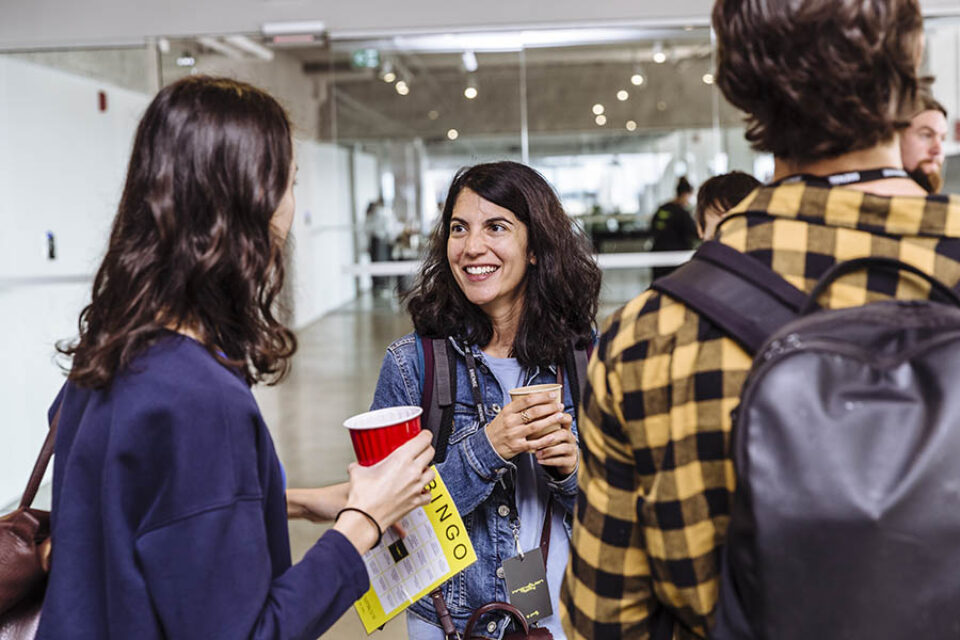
x=558, y=449
x=524, y=417
x=387, y=491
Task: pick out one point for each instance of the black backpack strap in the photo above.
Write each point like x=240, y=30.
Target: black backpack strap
x=742, y=296
x=575, y=368
x=439, y=392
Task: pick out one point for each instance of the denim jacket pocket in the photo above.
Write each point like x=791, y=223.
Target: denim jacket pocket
x=465, y=422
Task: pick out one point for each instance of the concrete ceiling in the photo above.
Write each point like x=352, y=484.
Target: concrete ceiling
x=27, y=24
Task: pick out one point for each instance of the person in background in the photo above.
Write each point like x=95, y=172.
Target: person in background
x=657, y=476
x=169, y=518
x=673, y=227
x=511, y=284
x=718, y=195
x=921, y=142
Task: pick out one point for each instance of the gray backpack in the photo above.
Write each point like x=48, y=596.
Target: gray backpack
x=846, y=518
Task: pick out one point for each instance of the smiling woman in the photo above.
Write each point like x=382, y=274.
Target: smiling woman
x=487, y=252
x=513, y=289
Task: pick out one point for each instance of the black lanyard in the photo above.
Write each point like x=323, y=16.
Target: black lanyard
x=474, y=382
x=843, y=179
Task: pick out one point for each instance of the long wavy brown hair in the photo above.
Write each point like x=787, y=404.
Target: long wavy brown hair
x=562, y=288
x=192, y=244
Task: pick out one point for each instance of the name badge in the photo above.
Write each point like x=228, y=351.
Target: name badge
x=527, y=585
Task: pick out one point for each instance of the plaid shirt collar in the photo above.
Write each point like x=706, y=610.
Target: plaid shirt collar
x=933, y=216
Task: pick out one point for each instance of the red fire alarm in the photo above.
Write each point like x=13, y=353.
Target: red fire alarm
x=102, y=100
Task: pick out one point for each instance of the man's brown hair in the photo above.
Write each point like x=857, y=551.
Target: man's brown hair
x=818, y=78
x=723, y=192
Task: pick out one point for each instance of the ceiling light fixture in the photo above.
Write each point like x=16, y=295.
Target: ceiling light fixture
x=453, y=134
x=631, y=125
x=637, y=79
x=253, y=48
x=220, y=47
x=708, y=78
x=597, y=109
x=622, y=95
x=658, y=54
x=469, y=61
x=389, y=77
x=402, y=87
x=601, y=120
x=303, y=27
x=470, y=93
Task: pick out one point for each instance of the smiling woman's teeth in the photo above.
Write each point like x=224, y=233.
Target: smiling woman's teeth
x=477, y=271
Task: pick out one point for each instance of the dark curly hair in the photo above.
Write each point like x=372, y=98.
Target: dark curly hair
x=818, y=78
x=562, y=288
x=192, y=243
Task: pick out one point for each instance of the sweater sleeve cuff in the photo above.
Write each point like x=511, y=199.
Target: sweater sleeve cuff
x=566, y=485
x=483, y=458
x=337, y=554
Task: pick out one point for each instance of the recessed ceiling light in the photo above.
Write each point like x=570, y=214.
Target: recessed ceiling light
x=708, y=78
x=601, y=119
x=631, y=125
x=622, y=95
x=659, y=57
x=470, y=93
x=402, y=88
x=637, y=79
x=389, y=77
x=453, y=134
x=433, y=114
x=597, y=109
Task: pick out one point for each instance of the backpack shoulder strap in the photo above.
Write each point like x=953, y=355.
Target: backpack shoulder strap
x=438, y=391
x=743, y=297
x=575, y=368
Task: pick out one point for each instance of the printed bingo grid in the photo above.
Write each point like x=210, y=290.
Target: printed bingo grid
x=401, y=569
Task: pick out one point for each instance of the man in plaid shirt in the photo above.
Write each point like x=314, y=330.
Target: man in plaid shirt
x=823, y=83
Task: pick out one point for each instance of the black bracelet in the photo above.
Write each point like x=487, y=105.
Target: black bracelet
x=368, y=516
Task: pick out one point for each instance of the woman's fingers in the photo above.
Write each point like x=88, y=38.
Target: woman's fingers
x=424, y=458
x=417, y=445
x=556, y=437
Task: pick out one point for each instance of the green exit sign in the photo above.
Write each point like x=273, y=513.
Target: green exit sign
x=365, y=59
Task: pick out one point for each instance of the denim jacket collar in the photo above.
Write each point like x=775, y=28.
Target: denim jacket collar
x=481, y=357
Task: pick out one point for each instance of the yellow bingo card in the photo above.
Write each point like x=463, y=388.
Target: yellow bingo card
x=401, y=572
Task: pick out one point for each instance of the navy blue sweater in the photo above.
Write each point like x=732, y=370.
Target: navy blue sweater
x=169, y=516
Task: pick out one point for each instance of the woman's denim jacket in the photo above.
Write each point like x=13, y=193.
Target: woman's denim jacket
x=479, y=480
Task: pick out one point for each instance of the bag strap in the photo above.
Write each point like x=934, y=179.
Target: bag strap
x=43, y=460
x=438, y=391
x=515, y=613
x=891, y=265
x=742, y=296
x=443, y=614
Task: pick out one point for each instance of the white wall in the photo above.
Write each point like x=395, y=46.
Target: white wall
x=61, y=169
x=366, y=189
x=323, y=238
x=62, y=166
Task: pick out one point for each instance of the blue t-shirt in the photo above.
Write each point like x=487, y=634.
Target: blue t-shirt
x=169, y=514
x=532, y=494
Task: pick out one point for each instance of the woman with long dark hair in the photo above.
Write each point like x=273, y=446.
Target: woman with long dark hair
x=169, y=517
x=512, y=287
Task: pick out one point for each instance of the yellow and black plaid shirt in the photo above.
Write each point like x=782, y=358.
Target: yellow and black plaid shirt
x=656, y=479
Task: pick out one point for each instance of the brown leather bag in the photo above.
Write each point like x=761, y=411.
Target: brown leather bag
x=525, y=631
x=25, y=554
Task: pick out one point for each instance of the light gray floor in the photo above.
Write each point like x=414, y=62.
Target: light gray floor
x=333, y=377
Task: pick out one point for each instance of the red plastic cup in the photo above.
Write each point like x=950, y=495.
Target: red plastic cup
x=377, y=434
